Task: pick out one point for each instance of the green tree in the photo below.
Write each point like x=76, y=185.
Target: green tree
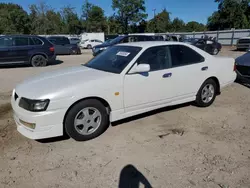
x=142, y=27
x=178, y=25
x=55, y=22
x=113, y=25
x=71, y=21
x=93, y=18
x=44, y=20
x=161, y=23
x=195, y=26
x=13, y=19
x=230, y=14
x=129, y=12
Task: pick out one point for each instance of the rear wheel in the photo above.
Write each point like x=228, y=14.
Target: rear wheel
x=86, y=120
x=38, y=61
x=73, y=52
x=89, y=46
x=207, y=93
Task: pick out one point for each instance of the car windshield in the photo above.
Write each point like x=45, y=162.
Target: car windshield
x=114, y=59
x=116, y=40
x=107, y=41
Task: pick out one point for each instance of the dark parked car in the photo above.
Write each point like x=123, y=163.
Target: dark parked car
x=20, y=49
x=120, y=39
x=243, y=67
x=208, y=45
x=74, y=40
x=63, y=46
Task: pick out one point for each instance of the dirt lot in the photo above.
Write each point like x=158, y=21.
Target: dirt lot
x=182, y=146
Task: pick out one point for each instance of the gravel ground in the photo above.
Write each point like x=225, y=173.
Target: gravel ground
x=182, y=146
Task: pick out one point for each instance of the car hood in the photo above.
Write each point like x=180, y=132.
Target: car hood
x=103, y=45
x=61, y=83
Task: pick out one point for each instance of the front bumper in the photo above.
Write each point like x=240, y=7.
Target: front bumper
x=243, y=46
x=47, y=124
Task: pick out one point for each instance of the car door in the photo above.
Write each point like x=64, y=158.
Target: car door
x=188, y=71
x=20, y=49
x=152, y=88
x=5, y=47
x=66, y=44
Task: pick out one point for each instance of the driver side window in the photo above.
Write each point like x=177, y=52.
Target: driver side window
x=157, y=57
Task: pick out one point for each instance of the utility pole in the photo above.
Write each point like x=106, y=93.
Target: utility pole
x=154, y=11
x=154, y=19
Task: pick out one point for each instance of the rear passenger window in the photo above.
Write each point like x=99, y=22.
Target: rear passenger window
x=21, y=41
x=183, y=55
x=36, y=41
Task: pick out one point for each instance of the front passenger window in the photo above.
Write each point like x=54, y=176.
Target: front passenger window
x=157, y=57
x=5, y=42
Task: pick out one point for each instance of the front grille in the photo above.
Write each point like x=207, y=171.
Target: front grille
x=244, y=41
x=15, y=96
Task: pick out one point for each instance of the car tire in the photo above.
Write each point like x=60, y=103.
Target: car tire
x=215, y=51
x=38, y=61
x=207, y=93
x=73, y=52
x=86, y=120
x=89, y=46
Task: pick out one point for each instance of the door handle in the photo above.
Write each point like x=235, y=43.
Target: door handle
x=167, y=75
x=204, y=68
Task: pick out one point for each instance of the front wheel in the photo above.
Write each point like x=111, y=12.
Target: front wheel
x=207, y=93
x=215, y=51
x=86, y=120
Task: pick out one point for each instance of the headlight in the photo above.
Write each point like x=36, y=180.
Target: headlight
x=104, y=48
x=34, y=105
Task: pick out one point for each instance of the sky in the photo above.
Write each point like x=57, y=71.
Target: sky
x=187, y=10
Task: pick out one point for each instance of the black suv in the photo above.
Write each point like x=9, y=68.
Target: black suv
x=120, y=39
x=63, y=46
x=19, y=49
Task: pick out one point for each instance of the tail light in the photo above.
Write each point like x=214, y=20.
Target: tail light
x=234, y=67
x=52, y=49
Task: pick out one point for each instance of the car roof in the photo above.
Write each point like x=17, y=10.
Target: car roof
x=21, y=36
x=148, y=44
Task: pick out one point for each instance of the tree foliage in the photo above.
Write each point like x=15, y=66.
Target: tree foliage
x=129, y=12
x=71, y=21
x=160, y=23
x=230, y=14
x=13, y=19
x=93, y=18
x=129, y=17
x=178, y=25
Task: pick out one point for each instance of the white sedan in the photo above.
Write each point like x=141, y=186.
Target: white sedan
x=90, y=43
x=123, y=81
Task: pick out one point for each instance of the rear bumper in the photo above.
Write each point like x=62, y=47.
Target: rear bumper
x=52, y=58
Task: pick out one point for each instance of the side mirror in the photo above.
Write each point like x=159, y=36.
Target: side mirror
x=141, y=68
